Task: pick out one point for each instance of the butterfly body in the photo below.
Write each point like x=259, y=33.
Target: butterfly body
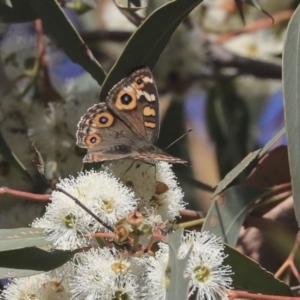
x=126, y=125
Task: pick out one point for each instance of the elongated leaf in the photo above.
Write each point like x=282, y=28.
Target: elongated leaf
x=235, y=172
x=260, y=281
x=59, y=26
x=11, y=239
x=239, y=6
x=16, y=12
x=31, y=261
x=178, y=288
x=255, y=4
x=270, y=143
x=146, y=44
x=244, y=164
x=291, y=91
x=227, y=215
x=10, y=157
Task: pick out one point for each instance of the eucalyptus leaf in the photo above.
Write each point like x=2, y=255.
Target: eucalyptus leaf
x=11, y=239
x=291, y=92
x=16, y=12
x=148, y=41
x=178, y=287
x=245, y=163
x=255, y=4
x=250, y=276
x=226, y=216
x=31, y=261
x=239, y=5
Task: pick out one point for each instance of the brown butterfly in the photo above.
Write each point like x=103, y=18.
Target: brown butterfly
x=126, y=125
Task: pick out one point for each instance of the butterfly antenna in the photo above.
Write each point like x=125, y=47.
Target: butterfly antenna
x=179, y=138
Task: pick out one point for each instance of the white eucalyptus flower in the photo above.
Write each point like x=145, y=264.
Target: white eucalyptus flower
x=170, y=202
x=67, y=225
x=103, y=274
x=208, y=276
x=38, y=287
x=156, y=279
x=143, y=178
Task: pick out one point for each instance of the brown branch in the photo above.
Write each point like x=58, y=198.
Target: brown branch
x=25, y=195
x=192, y=214
x=240, y=294
x=257, y=25
x=50, y=93
x=85, y=209
x=290, y=261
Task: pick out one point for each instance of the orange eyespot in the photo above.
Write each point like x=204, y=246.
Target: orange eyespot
x=138, y=83
x=92, y=140
x=126, y=99
x=103, y=120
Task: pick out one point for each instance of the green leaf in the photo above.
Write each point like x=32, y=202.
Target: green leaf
x=245, y=163
x=250, y=276
x=148, y=41
x=291, y=91
x=61, y=29
x=11, y=239
x=255, y=4
x=270, y=143
x=227, y=215
x=16, y=12
x=239, y=6
x=11, y=158
x=31, y=261
x=235, y=172
x=178, y=287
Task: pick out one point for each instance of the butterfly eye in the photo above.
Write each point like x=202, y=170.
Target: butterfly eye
x=126, y=99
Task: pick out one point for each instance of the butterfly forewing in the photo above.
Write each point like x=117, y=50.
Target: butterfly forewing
x=126, y=125
x=135, y=100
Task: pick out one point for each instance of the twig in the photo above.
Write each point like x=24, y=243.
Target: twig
x=50, y=92
x=240, y=294
x=25, y=195
x=290, y=261
x=192, y=214
x=85, y=209
x=257, y=25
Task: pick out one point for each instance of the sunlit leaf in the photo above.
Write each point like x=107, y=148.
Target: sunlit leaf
x=291, y=91
x=178, y=287
x=11, y=239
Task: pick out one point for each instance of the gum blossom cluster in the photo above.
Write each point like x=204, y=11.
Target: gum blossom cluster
x=140, y=202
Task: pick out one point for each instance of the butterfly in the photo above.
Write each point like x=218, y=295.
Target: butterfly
x=126, y=125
